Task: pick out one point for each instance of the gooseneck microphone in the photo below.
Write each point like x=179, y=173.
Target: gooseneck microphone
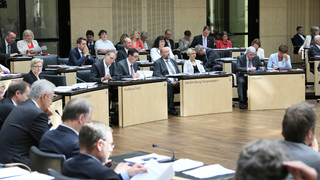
x=82, y=81
x=156, y=146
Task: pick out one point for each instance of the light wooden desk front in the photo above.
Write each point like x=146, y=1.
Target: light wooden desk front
x=141, y=101
x=316, y=76
x=275, y=90
x=20, y=64
x=56, y=105
x=8, y=78
x=70, y=73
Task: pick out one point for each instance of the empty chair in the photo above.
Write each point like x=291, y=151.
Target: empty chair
x=40, y=161
x=84, y=75
x=63, y=61
x=57, y=80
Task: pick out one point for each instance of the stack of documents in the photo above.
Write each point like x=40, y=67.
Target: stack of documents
x=12, y=173
x=156, y=171
x=209, y=171
x=145, y=158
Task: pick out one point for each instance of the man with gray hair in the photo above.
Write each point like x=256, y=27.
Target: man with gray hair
x=246, y=63
x=298, y=130
x=209, y=58
x=96, y=144
x=315, y=49
x=64, y=139
x=144, y=39
x=26, y=124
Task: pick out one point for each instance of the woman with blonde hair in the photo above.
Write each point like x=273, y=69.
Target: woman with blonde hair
x=192, y=65
x=36, y=69
x=27, y=43
x=136, y=41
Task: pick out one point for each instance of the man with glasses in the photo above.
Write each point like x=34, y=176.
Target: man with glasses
x=128, y=68
x=8, y=47
x=96, y=144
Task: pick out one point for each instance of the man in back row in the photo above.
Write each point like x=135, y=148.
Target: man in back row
x=80, y=55
x=204, y=39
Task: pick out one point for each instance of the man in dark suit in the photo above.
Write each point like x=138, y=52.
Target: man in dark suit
x=105, y=69
x=246, y=63
x=16, y=93
x=26, y=124
x=315, y=49
x=167, y=35
x=204, y=39
x=95, y=142
x=80, y=55
x=128, y=68
x=163, y=67
x=91, y=42
x=209, y=58
x=298, y=39
x=64, y=139
x=8, y=47
x=123, y=53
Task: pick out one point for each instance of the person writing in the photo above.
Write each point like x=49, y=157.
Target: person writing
x=280, y=60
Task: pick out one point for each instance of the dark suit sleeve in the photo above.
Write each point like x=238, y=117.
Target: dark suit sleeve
x=29, y=79
x=15, y=48
x=94, y=74
x=120, y=56
x=212, y=56
x=120, y=71
x=73, y=61
x=90, y=60
x=194, y=42
x=240, y=66
x=157, y=71
x=39, y=126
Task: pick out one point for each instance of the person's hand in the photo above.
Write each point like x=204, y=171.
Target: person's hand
x=299, y=52
x=122, y=167
x=106, y=77
x=252, y=68
x=285, y=56
x=136, y=169
x=301, y=171
x=314, y=145
x=275, y=67
x=13, y=54
x=86, y=51
x=175, y=83
x=139, y=49
x=108, y=163
x=49, y=111
x=176, y=57
x=261, y=68
x=135, y=75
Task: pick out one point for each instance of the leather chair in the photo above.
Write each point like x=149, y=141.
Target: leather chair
x=84, y=75
x=63, y=61
x=57, y=80
x=59, y=176
x=40, y=161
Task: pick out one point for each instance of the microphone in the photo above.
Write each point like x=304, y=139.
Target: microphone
x=156, y=146
x=82, y=81
x=57, y=112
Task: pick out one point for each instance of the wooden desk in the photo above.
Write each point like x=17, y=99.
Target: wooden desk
x=98, y=96
x=56, y=105
x=309, y=76
x=316, y=75
x=141, y=101
x=20, y=64
x=70, y=72
x=275, y=90
x=145, y=65
x=227, y=64
x=8, y=78
x=235, y=52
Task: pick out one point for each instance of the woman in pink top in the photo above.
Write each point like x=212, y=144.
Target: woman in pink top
x=224, y=43
x=136, y=41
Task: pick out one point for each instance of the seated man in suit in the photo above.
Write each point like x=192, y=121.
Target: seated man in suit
x=204, y=39
x=8, y=47
x=64, y=139
x=91, y=42
x=144, y=39
x=96, y=144
x=26, y=124
x=105, y=69
x=298, y=130
x=128, y=68
x=246, y=63
x=16, y=93
x=298, y=39
x=315, y=50
x=209, y=58
x=167, y=35
x=80, y=55
x=123, y=53
x=163, y=67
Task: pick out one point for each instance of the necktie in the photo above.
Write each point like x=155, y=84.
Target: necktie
x=250, y=63
x=204, y=42
x=131, y=69
x=171, y=69
x=9, y=49
x=82, y=53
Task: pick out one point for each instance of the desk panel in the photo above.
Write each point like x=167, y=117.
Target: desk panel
x=55, y=118
x=316, y=78
x=275, y=91
x=22, y=66
x=70, y=78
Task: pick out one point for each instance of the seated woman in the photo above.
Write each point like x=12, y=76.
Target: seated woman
x=27, y=43
x=192, y=65
x=280, y=60
x=309, y=39
x=36, y=69
x=257, y=44
x=136, y=41
x=223, y=43
x=159, y=43
x=184, y=44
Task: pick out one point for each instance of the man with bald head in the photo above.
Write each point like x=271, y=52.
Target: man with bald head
x=8, y=47
x=123, y=53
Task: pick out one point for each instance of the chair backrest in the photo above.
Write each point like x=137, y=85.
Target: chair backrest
x=119, y=47
x=40, y=161
x=48, y=60
x=84, y=75
x=63, y=61
x=57, y=80
x=59, y=176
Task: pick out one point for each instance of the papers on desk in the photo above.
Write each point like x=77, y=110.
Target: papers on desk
x=156, y=171
x=75, y=87
x=9, y=75
x=145, y=158
x=12, y=173
x=209, y=171
x=185, y=164
x=84, y=85
x=145, y=74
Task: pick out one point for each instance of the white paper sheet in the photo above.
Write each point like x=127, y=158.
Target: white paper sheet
x=39, y=49
x=184, y=164
x=12, y=171
x=155, y=172
x=143, y=159
x=209, y=171
x=32, y=176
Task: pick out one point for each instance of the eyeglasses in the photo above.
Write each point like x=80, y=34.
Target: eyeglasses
x=37, y=66
x=112, y=145
x=136, y=57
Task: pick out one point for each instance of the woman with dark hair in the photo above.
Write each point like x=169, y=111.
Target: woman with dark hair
x=309, y=39
x=224, y=43
x=159, y=43
x=184, y=43
x=280, y=60
x=257, y=44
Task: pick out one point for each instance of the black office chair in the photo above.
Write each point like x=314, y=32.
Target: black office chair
x=57, y=80
x=40, y=161
x=63, y=61
x=48, y=60
x=119, y=47
x=234, y=79
x=311, y=64
x=295, y=48
x=59, y=176
x=84, y=75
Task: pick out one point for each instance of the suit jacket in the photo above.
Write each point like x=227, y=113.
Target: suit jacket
x=297, y=40
x=31, y=78
x=161, y=70
x=122, y=69
x=314, y=51
x=171, y=44
x=198, y=40
x=6, y=106
x=210, y=58
x=188, y=67
x=86, y=167
x=3, y=49
x=242, y=64
x=121, y=55
x=23, y=45
x=75, y=58
x=183, y=45
x=60, y=141
x=92, y=51
x=97, y=71
x=22, y=129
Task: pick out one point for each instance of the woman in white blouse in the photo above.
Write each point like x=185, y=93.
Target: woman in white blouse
x=159, y=43
x=27, y=43
x=309, y=39
x=192, y=65
x=257, y=44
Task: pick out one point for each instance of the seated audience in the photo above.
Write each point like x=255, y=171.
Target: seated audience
x=204, y=39
x=280, y=60
x=257, y=44
x=26, y=124
x=91, y=42
x=246, y=63
x=64, y=139
x=104, y=70
x=8, y=46
x=119, y=45
x=123, y=53
x=80, y=55
x=298, y=39
x=144, y=39
x=96, y=144
x=315, y=49
x=209, y=58
x=159, y=43
x=103, y=45
x=128, y=68
x=184, y=43
x=224, y=43
x=27, y=42
x=309, y=39
x=170, y=42
x=16, y=93
x=2, y=90
x=35, y=72
x=192, y=65
x=136, y=41
x=298, y=130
